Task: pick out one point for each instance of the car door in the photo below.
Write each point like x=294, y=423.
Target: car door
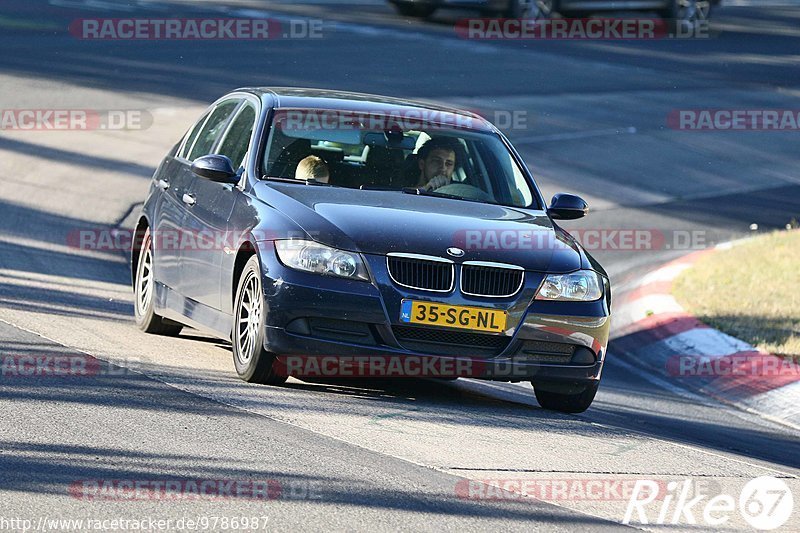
x=213, y=204
x=170, y=210
x=202, y=144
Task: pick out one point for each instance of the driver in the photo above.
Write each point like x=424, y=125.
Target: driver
x=437, y=162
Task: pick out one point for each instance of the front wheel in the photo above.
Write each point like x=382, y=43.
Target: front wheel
x=564, y=402
x=144, y=293
x=253, y=363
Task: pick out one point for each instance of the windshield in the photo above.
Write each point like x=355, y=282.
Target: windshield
x=372, y=152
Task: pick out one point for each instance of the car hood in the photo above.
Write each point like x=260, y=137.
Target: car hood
x=381, y=222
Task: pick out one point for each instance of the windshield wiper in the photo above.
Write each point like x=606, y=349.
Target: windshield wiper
x=377, y=188
x=409, y=190
x=423, y=192
x=296, y=181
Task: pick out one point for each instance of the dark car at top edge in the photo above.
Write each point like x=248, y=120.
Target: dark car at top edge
x=683, y=12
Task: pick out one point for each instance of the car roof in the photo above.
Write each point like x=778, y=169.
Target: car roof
x=306, y=98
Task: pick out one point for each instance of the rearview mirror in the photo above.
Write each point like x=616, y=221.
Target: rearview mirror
x=215, y=167
x=567, y=207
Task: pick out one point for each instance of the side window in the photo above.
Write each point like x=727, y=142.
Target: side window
x=190, y=138
x=211, y=129
x=237, y=138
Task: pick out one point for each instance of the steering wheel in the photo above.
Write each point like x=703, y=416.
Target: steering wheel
x=465, y=191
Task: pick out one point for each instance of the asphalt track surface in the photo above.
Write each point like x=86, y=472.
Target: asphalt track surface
x=369, y=454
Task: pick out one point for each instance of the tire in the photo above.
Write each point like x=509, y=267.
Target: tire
x=685, y=16
x=144, y=291
x=567, y=403
x=408, y=9
x=252, y=362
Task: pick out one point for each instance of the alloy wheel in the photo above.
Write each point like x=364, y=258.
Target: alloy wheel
x=144, y=281
x=248, y=321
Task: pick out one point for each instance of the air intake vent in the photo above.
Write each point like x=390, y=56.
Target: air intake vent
x=545, y=352
x=420, y=272
x=485, y=279
x=454, y=343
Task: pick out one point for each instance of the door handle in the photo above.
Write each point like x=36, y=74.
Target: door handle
x=189, y=199
x=163, y=184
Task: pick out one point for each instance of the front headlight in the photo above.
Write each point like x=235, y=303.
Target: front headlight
x=310, y=256
x=581, y=286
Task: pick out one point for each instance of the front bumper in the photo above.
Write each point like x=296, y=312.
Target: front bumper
x=316, y=318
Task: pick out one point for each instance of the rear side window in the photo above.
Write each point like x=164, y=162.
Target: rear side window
x=237, y=138
x=211, y=129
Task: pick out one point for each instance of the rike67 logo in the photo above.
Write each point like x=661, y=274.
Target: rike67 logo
x=765, y=503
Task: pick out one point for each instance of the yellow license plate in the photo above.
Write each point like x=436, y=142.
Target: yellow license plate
x=453, y=316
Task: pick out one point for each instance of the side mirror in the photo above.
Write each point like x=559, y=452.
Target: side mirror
x=567, y=207
x=215, y=168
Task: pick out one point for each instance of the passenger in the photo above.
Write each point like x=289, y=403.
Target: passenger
x=312, y=168
x=437, y=162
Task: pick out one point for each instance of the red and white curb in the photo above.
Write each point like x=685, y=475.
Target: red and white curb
x=658, y=333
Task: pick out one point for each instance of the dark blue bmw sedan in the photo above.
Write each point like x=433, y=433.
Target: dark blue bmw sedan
x=331, y=234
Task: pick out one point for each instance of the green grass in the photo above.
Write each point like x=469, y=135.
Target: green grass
x=750, y=291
